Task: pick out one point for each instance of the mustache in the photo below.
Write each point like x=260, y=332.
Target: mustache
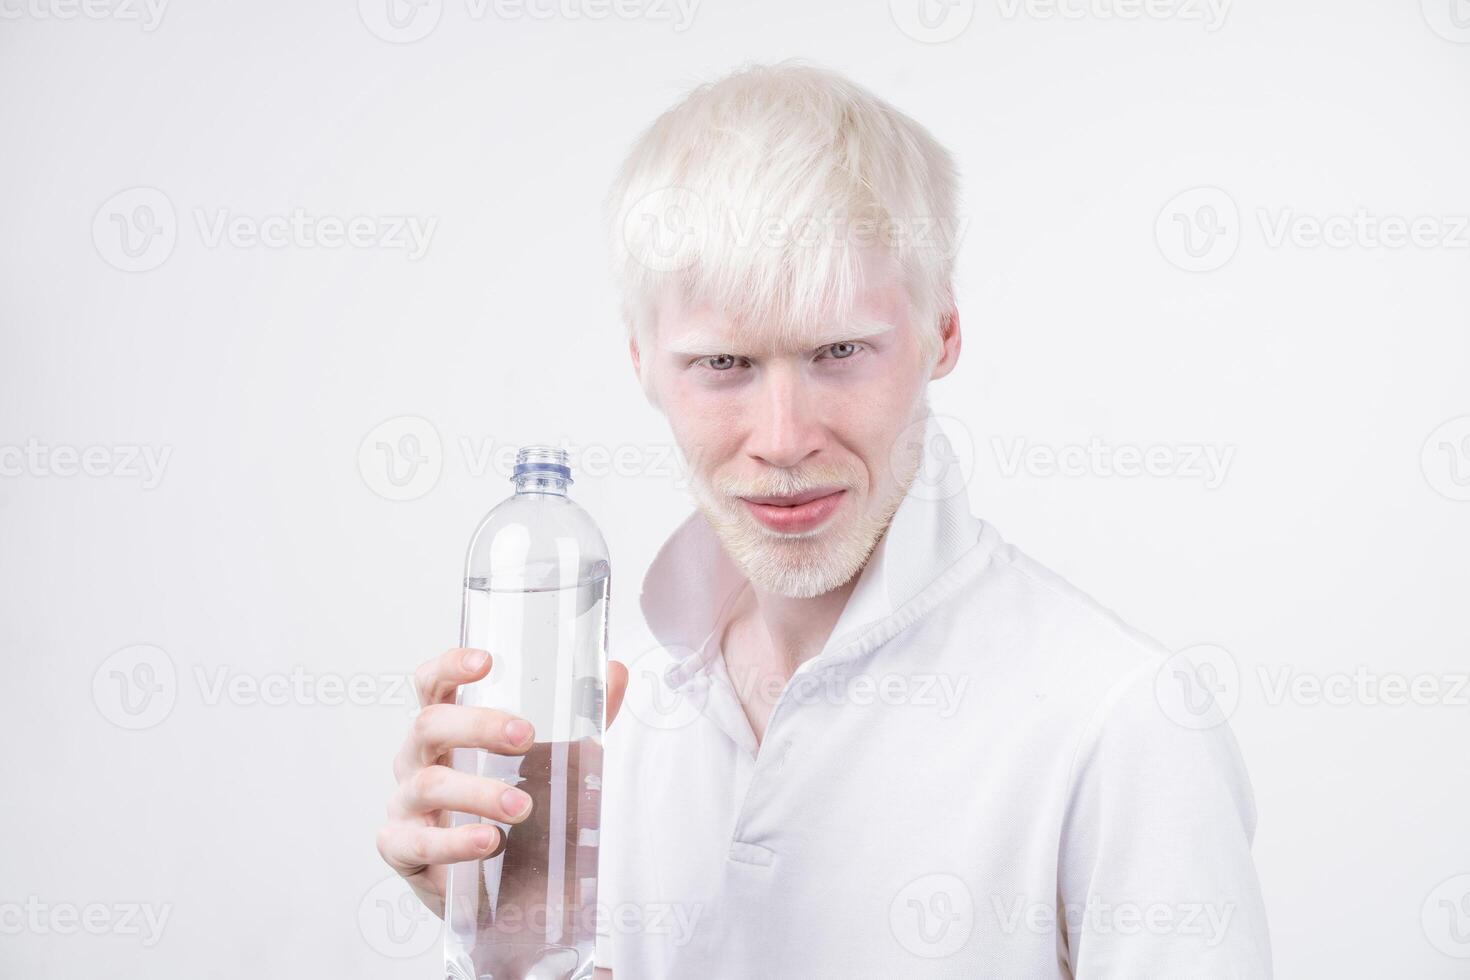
x=786, y=483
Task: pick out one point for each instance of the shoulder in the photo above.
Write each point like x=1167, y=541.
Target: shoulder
x=1141, y=712
x=1028, y=614
x=1105, y=680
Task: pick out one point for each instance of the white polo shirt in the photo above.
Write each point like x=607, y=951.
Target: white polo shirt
x=982, y=774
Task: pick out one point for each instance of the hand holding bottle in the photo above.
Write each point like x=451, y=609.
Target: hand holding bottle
x=416, y=840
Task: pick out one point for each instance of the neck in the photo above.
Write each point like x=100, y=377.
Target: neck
x=788, y=632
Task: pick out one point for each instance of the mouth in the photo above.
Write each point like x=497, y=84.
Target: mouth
x=797, y=513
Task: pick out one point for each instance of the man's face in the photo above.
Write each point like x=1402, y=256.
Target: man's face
x=792, y=441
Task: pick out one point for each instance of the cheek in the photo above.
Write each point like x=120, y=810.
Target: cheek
x=869, y=418
x=706, y=424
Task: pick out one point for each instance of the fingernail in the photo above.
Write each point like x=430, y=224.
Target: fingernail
x=515, y=802
x=519, y=732
x=475, y=659
x=481, y=837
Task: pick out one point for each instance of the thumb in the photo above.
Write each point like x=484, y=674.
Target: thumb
x=617, y=684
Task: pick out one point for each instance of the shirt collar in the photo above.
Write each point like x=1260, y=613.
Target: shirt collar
x=692, y=581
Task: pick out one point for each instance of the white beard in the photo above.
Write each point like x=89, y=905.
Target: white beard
x=804, y=565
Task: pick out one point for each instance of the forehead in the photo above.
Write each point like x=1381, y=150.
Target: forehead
x=877, y=304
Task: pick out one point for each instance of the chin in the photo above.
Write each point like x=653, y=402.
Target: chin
x=798, y=566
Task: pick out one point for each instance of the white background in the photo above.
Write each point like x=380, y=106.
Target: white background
x=267, y=552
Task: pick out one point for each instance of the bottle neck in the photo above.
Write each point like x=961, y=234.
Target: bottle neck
x=540, y=483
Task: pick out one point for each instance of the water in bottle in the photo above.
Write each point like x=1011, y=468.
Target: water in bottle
x=535, y=597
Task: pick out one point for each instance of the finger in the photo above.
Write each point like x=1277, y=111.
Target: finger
x=441, y=727
x=442, y=788
x=617, y=686
x=437, y=680
x=410, y=848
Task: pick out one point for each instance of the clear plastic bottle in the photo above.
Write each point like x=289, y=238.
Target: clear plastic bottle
x=536, y=594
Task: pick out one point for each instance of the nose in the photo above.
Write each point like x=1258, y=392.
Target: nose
x=786, y=428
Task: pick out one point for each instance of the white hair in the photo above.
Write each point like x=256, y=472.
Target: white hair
x=750, y=193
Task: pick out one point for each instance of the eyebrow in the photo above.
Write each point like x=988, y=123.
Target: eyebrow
x=860, y=328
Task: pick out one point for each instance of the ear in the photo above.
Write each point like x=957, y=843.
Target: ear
x=645, y=383
x=949, y=336
x=637, y=361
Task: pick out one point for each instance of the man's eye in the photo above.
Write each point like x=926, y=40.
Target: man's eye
x=720, y=362
x=845, y=348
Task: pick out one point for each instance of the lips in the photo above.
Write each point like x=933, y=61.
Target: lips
x=797, y=513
